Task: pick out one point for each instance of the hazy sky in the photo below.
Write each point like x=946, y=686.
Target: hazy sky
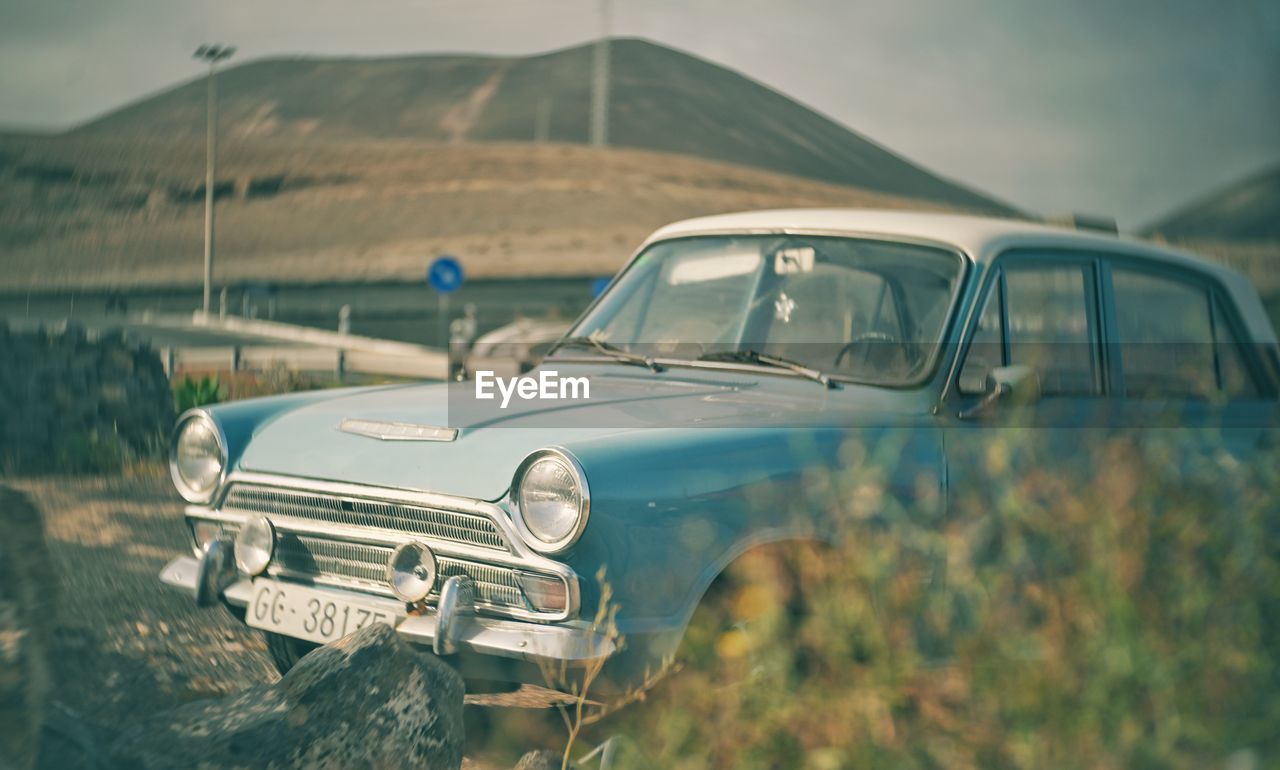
x=1127, y=107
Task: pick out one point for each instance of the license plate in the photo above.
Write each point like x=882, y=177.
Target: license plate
x=312, y=614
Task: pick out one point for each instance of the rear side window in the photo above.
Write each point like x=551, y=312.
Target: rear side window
x=1233, y=373
x=1174, y=340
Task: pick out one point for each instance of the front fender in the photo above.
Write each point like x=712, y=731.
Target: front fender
x=672, y=508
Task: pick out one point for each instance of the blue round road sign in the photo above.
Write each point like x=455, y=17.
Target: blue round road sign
x=445, y=274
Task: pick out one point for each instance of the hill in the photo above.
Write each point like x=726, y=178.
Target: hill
x=661, y=99
x=80, y=212
x=1248, y=210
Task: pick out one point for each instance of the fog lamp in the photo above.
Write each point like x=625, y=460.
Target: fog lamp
x=411, y=571
x=544, y=593
x=205, y=532
x=254, y=545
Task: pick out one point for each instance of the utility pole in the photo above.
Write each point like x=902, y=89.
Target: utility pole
x=600, y=81
x=211, y=54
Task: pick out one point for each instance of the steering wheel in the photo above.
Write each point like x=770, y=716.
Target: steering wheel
x=863, y=339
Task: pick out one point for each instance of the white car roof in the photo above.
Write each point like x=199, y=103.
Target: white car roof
x=981, y=238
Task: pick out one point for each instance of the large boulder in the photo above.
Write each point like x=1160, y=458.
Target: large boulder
x=369, y=700
x=27, y=595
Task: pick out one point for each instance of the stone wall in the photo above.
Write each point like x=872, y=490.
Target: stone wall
x=71, y=401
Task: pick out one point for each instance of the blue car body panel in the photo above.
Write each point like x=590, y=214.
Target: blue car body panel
x=687, y=469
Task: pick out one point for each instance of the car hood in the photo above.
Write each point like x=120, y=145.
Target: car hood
x=308, y=442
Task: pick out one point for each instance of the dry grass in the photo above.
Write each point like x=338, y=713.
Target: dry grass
x=130, y=214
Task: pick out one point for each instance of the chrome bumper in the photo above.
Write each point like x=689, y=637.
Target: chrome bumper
x=569, y=642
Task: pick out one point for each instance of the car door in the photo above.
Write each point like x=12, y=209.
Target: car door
x=1043, y=310
x=1138, y=361
x=1194, y=391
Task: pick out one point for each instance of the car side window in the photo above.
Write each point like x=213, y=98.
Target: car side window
x=1173, y=341
x=1051, y=326
x=1235, y=379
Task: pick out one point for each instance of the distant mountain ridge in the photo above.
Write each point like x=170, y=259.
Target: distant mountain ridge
x=1247, y=210
x=661, y=99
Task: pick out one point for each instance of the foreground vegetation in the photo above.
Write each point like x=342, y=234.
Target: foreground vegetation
x=1129, y=622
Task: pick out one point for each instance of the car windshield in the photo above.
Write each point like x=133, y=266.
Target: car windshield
x=865, y=310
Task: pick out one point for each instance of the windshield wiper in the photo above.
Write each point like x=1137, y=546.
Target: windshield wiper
x=763, y=359
x=608, y=349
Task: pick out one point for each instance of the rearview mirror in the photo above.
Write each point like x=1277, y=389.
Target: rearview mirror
x=1017, y=384
x=794, y=260
x=700, y=268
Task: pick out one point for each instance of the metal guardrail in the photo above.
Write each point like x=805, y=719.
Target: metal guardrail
x=297, y=347
x=304, y=358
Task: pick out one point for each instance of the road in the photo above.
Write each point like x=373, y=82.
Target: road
x=393, y=310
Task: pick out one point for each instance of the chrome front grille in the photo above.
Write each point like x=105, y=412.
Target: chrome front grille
x=317, y=557
x=453, y=526
x=364, y=567
x=343, y=535
x=494, y=585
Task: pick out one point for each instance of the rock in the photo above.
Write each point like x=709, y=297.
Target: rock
x=27, y=594
x=69, y=403
x=369, y=700
x=541, y=760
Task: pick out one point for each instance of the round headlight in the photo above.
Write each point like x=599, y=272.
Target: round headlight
x=551, y=500
x=255, y=543
x=411, y=571
x=198, y=459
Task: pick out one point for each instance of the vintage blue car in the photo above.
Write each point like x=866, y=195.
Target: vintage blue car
x=706, y=405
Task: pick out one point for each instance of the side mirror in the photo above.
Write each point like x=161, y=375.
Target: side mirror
x=1017, y=384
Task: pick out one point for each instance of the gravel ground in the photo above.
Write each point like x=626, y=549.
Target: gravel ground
x=127, y=645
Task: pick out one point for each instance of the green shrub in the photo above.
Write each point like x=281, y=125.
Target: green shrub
x=191, y=393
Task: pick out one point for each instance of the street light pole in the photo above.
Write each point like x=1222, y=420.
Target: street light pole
x=600, y=80
x=212, y=54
